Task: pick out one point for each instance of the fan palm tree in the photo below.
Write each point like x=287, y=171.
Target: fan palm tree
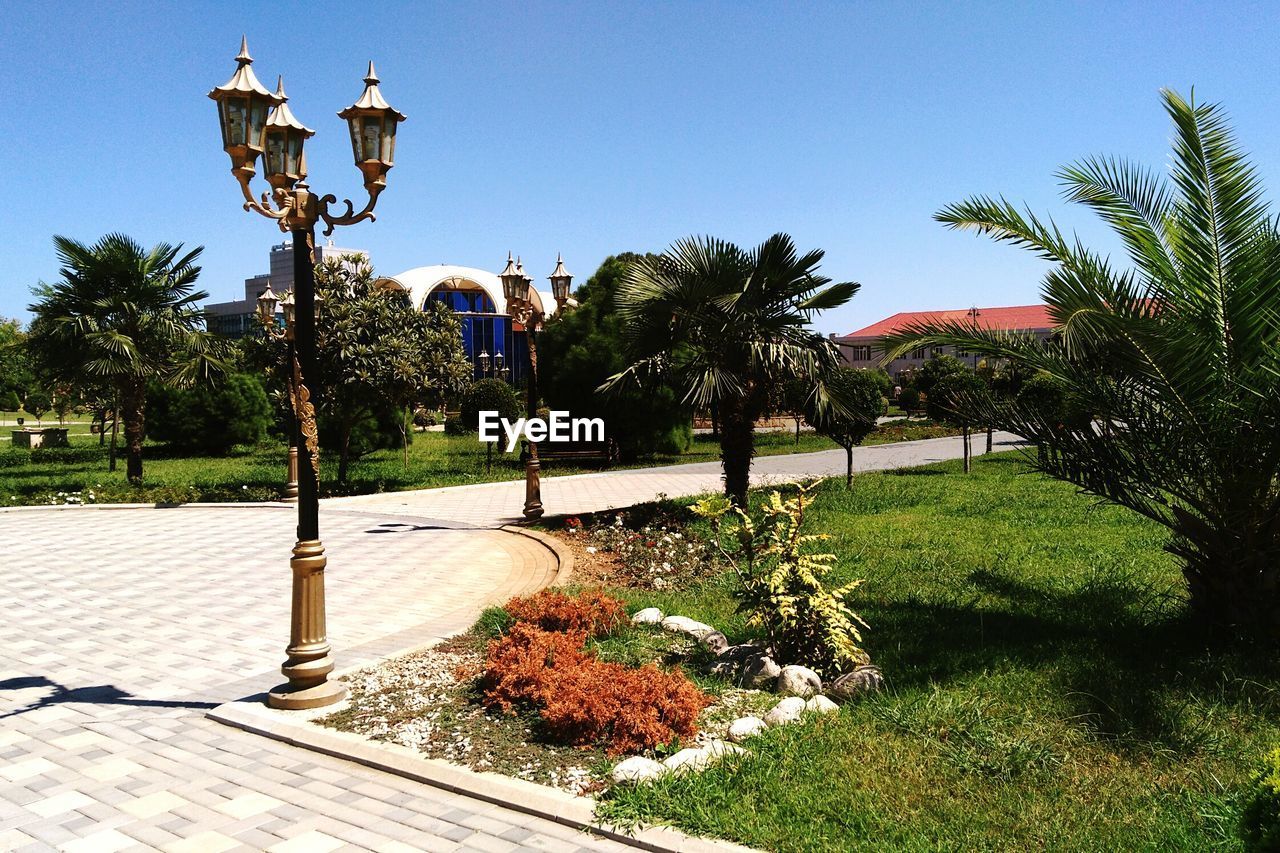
x=723, y=326
x=124, y=315
x=1172, y=358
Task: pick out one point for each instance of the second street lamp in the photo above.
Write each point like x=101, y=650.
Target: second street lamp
x=249, y=130
x=517, y=287
x=267, y=304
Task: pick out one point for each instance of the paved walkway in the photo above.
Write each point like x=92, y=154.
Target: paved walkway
x=122, y=627
x=494, y=504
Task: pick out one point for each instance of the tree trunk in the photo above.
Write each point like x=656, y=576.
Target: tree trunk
x=344, y=455
x=797, y=431
x=968, y=452
x=115, y=423
x=1234, y=586
x=848, y=471
x=405, y=424
x=737, y=443
x=133, y=400
x=990, y=430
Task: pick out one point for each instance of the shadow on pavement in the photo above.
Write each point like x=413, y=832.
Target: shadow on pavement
x=102, y=694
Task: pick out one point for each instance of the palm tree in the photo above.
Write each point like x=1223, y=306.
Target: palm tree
x=1173, y=359
x=123, y=315
x=724, y=326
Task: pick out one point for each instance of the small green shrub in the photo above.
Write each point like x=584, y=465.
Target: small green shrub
x=427, y=418
x=488, y=395
x=211, y=420
x=909, y=399
x=781, y=586
x=1260, y=821
x=454, y=425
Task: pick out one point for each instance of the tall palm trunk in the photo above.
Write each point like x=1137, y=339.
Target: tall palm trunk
x=133, y=400
x=1234, y=588
x=737, y=443
x=115, y=431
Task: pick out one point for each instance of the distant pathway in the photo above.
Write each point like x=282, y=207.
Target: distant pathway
x=494, y=504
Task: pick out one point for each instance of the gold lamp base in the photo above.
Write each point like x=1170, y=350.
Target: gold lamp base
x=309, y=660
x=286, y=697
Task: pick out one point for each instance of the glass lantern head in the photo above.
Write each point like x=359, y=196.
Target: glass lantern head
x=243, y=104
x=284, y=163
x=498, y=360
x=287, y=305
x=561, y=279
x=512, y=280
x=267, y=302
x=484, y=361
x=372, y=123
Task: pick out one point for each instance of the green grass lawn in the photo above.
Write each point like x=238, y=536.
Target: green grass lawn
x=1045, y=689
x=435, y=459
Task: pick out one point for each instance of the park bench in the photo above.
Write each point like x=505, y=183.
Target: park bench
x=605, y=453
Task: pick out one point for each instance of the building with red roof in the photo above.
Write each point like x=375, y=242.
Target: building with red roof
x=859, y=348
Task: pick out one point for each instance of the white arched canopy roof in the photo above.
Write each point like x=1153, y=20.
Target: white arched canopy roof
x=419, y=282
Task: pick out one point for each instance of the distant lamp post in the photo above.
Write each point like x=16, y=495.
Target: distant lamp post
x=517, y=287
x=974, y=314
x=268, y=302
x=256, y=122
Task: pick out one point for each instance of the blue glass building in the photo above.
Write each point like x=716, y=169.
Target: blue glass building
x=476, y=296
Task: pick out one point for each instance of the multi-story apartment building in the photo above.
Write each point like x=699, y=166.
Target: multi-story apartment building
x=860, y=348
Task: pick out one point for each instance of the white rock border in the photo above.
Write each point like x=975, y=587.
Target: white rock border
x=804, y=685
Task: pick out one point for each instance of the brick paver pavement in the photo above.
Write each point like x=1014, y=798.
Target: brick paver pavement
x=493, y=504
x=122, y=626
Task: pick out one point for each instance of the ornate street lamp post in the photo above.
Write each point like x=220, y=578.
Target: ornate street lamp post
x=267, y=304
x=517, y=287
x=256, y=122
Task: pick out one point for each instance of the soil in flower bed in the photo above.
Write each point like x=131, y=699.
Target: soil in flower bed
x=430, y=701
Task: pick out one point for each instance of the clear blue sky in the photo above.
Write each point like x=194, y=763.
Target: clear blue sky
x=596, y=128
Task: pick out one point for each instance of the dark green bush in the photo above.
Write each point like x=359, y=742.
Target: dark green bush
x=210, y=420
x=454, y=425
x=488, y=395
x=427, y=418
x=1260, y=821
x=1048, y=398
x=909, y=399
x=9, y=401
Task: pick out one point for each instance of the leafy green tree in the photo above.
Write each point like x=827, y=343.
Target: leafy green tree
x=849, y=424
x=957, y=398
x=9, y=401
x=723, y=325
x=491, y=395
x=37, y=402
x=16, y=374
x=580, y=349
x=1174, y=355
x=934, y=369
x=377, y=355
x=123, y=315
x=210, y=420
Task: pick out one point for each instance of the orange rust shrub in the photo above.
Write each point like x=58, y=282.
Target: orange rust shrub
x=583, y=700
x=591, y=613
x=626, y=710
x=521, y=666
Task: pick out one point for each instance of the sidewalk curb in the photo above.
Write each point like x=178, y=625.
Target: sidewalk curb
x=563, y=555
x=527, y=797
